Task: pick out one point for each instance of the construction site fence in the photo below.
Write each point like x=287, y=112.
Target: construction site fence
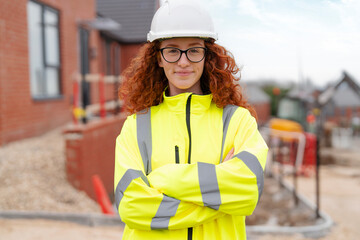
x=95, y=96
x=293, y=154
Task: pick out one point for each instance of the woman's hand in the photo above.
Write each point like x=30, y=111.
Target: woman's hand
x=229, y=155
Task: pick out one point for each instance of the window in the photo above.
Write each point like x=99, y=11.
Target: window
x=44, y=53
x=111, y=57
x=108, y=57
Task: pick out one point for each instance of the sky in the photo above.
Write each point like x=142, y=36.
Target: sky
x=290, y=40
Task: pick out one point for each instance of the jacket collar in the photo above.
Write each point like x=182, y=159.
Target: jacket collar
x=199, y=103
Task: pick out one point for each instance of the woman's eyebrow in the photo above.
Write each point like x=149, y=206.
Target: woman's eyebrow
x=195, y=44
x=171, y=45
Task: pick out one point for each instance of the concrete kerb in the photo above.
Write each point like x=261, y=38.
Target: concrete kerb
x=315, y=231
x=88, y=219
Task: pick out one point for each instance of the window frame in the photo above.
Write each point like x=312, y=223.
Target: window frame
x=44, y=96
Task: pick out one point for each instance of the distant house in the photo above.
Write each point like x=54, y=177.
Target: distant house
x=298, y=104
x=45, y=43
x=259, y=100
x=340, y=102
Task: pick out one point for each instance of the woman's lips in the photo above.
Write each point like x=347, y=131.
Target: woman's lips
x=183, y=73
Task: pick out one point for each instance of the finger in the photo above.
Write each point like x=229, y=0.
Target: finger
x=229, y=155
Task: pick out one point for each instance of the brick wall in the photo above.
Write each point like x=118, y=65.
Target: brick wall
x=20, y=115
x=128, y=51
x=343, y=115
x=263, y=112
x=2, y=69
x=90, y=149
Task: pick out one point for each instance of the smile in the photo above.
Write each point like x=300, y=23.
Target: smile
x=183, y=73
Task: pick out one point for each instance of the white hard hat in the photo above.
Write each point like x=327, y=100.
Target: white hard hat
x=181, y=18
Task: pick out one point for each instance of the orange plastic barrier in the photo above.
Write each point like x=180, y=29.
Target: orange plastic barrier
x=101, y=196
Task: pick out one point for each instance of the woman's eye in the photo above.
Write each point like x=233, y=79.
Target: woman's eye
x=172, y=51
x=194, y=51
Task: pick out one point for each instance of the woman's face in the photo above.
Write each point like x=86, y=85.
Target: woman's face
x=183, y=75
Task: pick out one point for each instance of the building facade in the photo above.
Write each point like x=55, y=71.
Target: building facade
x=340, y=102
x=44, y=44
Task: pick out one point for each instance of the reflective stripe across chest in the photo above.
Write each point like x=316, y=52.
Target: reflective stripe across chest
x=144, y=136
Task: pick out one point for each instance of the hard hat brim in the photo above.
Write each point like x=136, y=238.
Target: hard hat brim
x=155, y=36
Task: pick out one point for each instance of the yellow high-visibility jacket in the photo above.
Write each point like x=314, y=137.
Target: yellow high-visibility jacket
x=170, y=181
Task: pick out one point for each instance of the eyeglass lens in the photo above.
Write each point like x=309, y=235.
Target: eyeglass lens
x=195, y=54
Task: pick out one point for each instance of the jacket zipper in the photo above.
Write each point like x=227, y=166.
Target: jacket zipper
x=188, y=102
x=188, y=125
x=177, y=160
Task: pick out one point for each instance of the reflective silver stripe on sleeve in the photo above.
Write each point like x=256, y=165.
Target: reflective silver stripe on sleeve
x=125, y=181
x=228, y=112
x=254, y=165
x=166, y=210
x=143, y=124
x=209, y=185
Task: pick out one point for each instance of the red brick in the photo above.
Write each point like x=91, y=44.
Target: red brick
x=95, y=144
x=20, y=115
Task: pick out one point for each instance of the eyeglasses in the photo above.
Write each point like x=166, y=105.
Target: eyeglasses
x=172, y=54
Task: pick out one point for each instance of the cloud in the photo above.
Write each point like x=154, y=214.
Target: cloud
x=272, y=38
x=348, y=12
x=249, y=7
x=222, y=4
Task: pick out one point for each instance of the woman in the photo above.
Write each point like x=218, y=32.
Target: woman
x=189, y=160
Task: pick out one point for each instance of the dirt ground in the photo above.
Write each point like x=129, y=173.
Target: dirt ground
x=54, y=230
x=278, y=207
x=340, y=195
x=340, y=189
x=38, y=164
x=33, y=177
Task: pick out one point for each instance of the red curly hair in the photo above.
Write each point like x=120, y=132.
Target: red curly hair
x=145, y=82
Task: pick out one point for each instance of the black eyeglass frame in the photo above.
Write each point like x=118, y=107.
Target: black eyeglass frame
x=181, y=53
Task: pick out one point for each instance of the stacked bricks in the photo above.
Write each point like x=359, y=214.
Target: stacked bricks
x=90, y=150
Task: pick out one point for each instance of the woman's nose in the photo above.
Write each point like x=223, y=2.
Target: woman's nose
x=183, y=61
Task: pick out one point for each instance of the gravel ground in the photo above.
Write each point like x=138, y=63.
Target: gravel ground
x=340, y=194
x=277, y=208
x=33, y=178
x=46, y=229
